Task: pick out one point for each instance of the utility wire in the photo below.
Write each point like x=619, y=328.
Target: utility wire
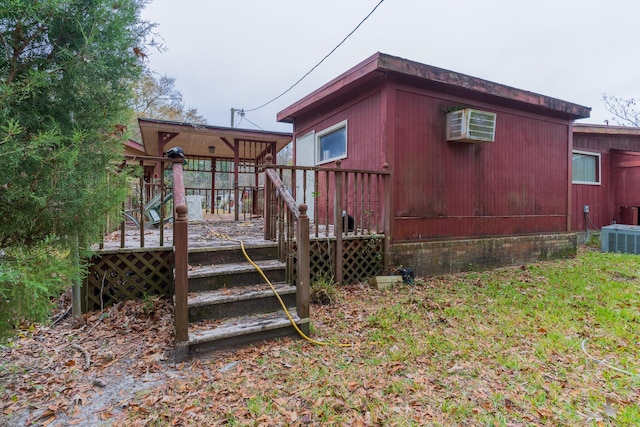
x=318, y=64
x=252, y=123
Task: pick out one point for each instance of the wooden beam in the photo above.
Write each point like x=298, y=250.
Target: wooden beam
x=226, y=141
x=163, y=139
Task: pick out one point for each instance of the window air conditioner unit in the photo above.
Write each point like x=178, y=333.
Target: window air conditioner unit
x=470, y=125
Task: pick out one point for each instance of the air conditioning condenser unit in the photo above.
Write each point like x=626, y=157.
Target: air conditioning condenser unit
x=620, y=238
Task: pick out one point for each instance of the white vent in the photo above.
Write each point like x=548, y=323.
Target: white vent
x=470, y=125
x=620, y=238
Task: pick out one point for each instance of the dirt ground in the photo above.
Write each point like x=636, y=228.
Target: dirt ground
x=85, y=371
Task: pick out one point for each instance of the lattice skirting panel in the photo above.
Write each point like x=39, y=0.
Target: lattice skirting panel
x=117, y=276
x=362, y=258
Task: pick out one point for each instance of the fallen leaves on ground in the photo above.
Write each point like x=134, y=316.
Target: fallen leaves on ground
x=420, y=355
x=52, y=373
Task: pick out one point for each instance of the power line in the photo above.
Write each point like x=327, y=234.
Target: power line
x=318, y=64
x=243, y=116
x=252, y=123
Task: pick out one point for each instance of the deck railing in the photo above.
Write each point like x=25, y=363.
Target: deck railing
x=139, y=206
x=151, y=202
x=342, y=203
x=292, y=222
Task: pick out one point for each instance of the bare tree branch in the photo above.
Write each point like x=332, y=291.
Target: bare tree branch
x=625, y=111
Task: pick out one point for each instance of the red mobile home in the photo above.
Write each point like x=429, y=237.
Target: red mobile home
x=606, y=173
x=496, y=191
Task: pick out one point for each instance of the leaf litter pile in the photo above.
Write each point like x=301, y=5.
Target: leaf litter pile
x=549, y=344
x=80, y=370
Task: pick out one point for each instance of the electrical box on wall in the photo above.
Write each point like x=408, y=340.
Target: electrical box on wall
x=469, y=125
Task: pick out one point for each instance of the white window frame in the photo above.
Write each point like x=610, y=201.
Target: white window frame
x=330, y=129
x=598, y=156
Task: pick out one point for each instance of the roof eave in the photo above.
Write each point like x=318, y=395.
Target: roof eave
x=586, y=128
x=383, y=63
x=350, y=76
x=241, y=133
x=477, y=85
x=199, y=139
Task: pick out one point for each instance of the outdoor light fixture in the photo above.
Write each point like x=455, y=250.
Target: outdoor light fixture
x=212, y=149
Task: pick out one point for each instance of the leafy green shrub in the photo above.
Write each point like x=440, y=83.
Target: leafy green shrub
x=29, y=281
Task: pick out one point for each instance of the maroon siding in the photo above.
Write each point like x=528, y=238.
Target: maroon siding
x=363, y=113
x=626, y=176
x=364, y=141
x=515, y=185
x=396, y=112
x=599, y=198
x=619, y=179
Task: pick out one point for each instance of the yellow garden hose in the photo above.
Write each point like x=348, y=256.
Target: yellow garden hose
x=284, y=307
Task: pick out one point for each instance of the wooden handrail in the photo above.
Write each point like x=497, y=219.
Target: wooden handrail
x=181, y=260
x=325, y=169
x=152, y=159
x=283, y=192
x=181, y=282
x=362, y=196
x=294, y=215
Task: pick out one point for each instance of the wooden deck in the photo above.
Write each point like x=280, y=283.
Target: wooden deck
x=212, y=231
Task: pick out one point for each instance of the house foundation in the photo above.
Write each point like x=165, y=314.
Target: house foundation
x=452, y=256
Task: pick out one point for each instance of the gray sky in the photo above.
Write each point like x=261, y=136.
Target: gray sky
x=242, y=54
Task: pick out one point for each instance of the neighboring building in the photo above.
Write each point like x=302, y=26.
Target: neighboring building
x=606, y=176
x=503, y=198
x=133, y=148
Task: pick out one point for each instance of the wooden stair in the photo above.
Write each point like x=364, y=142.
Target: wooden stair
x=229, y=302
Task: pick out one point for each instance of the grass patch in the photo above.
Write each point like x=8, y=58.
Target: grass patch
x=501, y=347
x=323, y=290
x=512, y=346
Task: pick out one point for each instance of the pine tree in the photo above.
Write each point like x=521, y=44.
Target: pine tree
x=67, y=69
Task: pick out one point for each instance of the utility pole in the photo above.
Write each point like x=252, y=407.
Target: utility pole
x=233, y=110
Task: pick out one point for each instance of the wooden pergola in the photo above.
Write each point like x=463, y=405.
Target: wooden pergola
x=212, y=142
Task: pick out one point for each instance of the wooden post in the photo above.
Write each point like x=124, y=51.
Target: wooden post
x=214, y=207
x=386, y=218
x=303, y=265
x=236, y=178
x=123, y=229
x=141, y=205
x=179, y=197
x=162, y=207
x=268, y=194
x=76, y=288
x=181, y=258
x=337, y=224
x=181, y=316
